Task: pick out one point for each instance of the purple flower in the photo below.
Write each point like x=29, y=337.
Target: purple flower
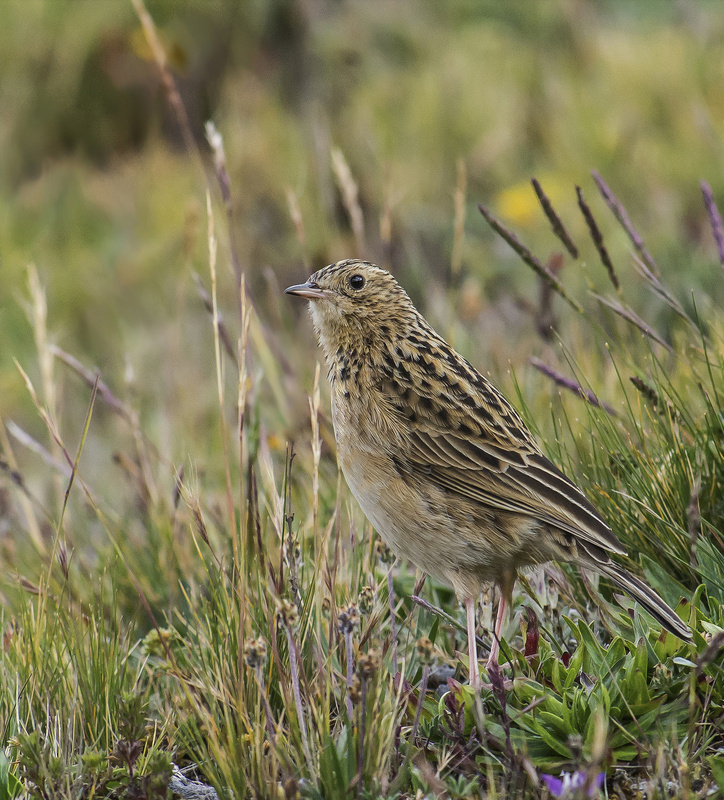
x=569, y=784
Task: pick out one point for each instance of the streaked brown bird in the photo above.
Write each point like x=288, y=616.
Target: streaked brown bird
x=440, y=462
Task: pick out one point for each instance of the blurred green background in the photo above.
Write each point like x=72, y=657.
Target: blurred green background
x=98, y=191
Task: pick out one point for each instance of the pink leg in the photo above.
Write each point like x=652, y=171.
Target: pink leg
x=473, y=670
x=495, y=646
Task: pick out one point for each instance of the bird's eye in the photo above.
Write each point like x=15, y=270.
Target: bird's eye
x=357, y=282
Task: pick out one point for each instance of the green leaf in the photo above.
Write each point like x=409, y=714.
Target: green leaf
x=555, y=721
x=574, y=667
x=593, y=651
x=716, y=763
x=555, y=744
x=10, y=786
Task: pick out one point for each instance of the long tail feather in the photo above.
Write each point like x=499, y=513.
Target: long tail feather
x=648, y=598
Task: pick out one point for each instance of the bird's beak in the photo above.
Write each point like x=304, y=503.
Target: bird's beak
x=310, y=290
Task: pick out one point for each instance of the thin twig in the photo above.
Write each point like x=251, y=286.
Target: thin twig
x=527, y=256
x=557, y=225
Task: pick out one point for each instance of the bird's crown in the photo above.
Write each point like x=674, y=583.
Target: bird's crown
x=355, y=299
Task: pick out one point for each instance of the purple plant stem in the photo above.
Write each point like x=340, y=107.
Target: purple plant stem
x=294, y=667
x=350, y=671
x=597, y=238
x=361, y=750
x=557, y=225
x=572, y=386
x=623, y=219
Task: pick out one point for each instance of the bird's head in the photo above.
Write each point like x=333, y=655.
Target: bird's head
x=352, y=301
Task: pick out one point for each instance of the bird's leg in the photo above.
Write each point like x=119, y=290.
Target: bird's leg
x=506, y=598
x=495, y=646
x=473, y=670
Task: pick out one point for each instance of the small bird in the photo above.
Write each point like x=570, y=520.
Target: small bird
x=440, y=462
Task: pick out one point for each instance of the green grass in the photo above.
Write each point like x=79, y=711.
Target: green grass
x=156, y=530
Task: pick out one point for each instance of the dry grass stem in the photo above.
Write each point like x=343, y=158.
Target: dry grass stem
x=27, y=441
x=89, y=376
x=461, y=189
x=222, y=176
x=169, y=84
x=295, y=213
x=350, y=197
x=223, y=331
x=528, y=257
x=627, y=313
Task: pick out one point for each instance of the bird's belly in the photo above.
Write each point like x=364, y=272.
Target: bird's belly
x=452, y=539
x=416, y=524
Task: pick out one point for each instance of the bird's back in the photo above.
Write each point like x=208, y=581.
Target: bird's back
x=422, y=417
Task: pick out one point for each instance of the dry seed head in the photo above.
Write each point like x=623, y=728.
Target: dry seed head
x=326, y=605
x=425, y=651
x=368, y=663
x=291, y=789
x=287, y=613
x=296, y=554
x=158, y=641
x=348, y=618
x=385, y=555
x=366, y=599
x=255, y=652
x=355, y=690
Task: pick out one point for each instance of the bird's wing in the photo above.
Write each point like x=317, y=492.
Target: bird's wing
x=469, y=440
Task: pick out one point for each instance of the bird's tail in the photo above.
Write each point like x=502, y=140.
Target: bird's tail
x=648, y=598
